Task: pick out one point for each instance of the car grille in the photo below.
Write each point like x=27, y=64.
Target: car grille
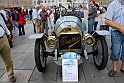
x=69, y=41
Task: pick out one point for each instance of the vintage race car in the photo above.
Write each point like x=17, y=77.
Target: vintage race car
x=68, y=41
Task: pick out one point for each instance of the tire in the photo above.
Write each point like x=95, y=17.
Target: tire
x=40, y=58
x=100, y=56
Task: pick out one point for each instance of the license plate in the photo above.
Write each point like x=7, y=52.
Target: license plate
x=70, y=55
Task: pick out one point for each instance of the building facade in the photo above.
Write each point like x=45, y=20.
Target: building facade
x=32, y=3
x=15, y=3
x=65, y=2
x=55, y=2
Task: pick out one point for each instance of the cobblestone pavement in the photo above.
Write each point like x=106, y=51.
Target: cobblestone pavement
x=26, y=72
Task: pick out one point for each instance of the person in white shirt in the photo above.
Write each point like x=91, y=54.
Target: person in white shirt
x=5, y=49
x=103, y=26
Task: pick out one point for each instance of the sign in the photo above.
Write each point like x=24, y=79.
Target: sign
x=70, y=70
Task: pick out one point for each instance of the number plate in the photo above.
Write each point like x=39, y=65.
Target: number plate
x=70, y=55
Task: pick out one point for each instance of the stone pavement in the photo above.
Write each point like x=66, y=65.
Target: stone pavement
x=26, y=72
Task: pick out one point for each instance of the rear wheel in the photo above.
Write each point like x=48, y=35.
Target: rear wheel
x=100, y=56
x=40, y=57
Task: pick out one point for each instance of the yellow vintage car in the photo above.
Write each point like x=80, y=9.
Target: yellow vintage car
x=68, y=41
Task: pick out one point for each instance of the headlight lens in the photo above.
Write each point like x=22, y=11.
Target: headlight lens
x=51, y=42
x=88, y=39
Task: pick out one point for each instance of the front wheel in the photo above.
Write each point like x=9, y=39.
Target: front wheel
x=100, y=56
x=40, y=58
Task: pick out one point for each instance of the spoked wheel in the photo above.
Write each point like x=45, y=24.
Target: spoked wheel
x=100, y=56
x=40, y=57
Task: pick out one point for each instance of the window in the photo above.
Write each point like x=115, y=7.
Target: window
x=7, y=1
x=11, y=1
x=45, y=1
x=41, y=1
x=59, y=0
x=34, y=2
x=52, y=0
x=49, y=1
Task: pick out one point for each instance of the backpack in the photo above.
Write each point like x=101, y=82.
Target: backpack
x=3, y=17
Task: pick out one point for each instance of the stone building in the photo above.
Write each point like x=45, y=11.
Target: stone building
x=64, y=2
x=56, y=2
x=15, y=3
x=32, y=3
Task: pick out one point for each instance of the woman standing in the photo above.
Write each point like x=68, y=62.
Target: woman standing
x=103, y=26
x=21, y=22
x=81, y=10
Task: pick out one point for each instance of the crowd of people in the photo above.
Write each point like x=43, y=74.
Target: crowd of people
x=40, y=16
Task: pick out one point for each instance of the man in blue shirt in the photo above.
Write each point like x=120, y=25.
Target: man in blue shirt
x=115, y=19
x=37, y=19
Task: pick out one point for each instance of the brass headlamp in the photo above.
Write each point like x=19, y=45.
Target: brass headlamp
x=51, y=42
x=88, y=39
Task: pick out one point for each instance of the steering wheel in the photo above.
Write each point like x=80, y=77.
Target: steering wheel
x=61, y=10
x=59, y=13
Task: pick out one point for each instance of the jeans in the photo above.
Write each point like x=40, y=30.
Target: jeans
x=30, y=17
x=117, y=39
x=26, y=16
x=90, y=25
x=14, y=25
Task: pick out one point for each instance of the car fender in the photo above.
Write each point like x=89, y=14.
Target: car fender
x=38, y=35
x=103, y=32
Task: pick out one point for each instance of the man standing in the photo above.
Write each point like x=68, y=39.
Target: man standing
x=37, y=20
x=5, y=50
x=44, y=23
x=30, y=14
x=115, y=19
x=91, y=15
